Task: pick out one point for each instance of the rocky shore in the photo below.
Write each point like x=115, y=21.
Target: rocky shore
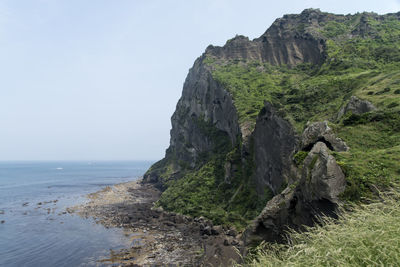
x=158, y=237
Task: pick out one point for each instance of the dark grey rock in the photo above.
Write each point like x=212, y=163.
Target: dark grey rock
x=203, y=101
x=322, y=176
x=179, y=219
x=206, y=231
x=274, y=143
x=216, y=230
x=321, y=132
x=234, y=242
x=356, y=106
x=231, y=232
x=169, y=223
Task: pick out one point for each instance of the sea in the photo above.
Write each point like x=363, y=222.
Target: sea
x=35, y=230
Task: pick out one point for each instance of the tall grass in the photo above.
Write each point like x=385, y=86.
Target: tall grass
x=367, y=236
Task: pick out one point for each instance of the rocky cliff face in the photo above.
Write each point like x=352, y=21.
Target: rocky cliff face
x=205, y=120
x=204, y=100
x=207, y=125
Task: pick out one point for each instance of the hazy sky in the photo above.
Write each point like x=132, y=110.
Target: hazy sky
x=96, y=79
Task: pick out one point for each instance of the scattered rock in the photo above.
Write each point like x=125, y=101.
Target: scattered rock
x=69, y=210
x=25, y=204
x=234, y=242
x=40, y=203
x=169, y=223
x=1, y=211
x=356, y=106
x=226, y=242
x=231, y=232
x=171, y=238
x=179, y=219
x=206, y=230
x=216, y=230
x=2, y=221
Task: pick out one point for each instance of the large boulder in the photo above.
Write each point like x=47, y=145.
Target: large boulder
x=356, y=106
x=321, y=132
x=315, y=193
x=321, y=176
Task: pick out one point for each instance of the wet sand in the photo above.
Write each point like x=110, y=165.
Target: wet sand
x=158, y=237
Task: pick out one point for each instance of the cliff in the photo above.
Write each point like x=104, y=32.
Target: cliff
x=266, y=130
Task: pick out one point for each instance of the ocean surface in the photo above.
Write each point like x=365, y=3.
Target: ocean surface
x=34, y=228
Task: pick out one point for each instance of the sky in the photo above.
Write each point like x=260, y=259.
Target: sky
x=99, y=80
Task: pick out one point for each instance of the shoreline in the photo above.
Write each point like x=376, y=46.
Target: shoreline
x=157, y=237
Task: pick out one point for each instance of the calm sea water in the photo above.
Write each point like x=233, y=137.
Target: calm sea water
x=41, y=235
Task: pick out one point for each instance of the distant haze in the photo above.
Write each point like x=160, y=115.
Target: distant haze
x=99, y=80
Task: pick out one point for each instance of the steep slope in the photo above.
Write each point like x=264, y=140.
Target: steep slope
x=237, y=133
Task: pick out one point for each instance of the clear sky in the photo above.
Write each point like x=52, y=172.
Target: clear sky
x=98, y=80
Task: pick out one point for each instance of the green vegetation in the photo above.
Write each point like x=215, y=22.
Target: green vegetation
x=299, y=157
x=299, y=94
x=366, y=236
x=376, y=42
x=206, y=192
x=373, y=161
x=164, y=170
x=250, y=85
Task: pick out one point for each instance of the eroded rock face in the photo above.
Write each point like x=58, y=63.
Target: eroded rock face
x=204, y=104
x=206, y=100
x=315, y=193
x=280, y=44
x=356, y=106
x=321, y=132
x=274, y=143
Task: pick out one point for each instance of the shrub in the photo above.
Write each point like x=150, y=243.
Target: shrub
x=393, y=105
x=299, y=157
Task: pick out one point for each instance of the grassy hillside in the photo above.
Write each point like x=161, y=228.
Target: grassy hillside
x=367, y=236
